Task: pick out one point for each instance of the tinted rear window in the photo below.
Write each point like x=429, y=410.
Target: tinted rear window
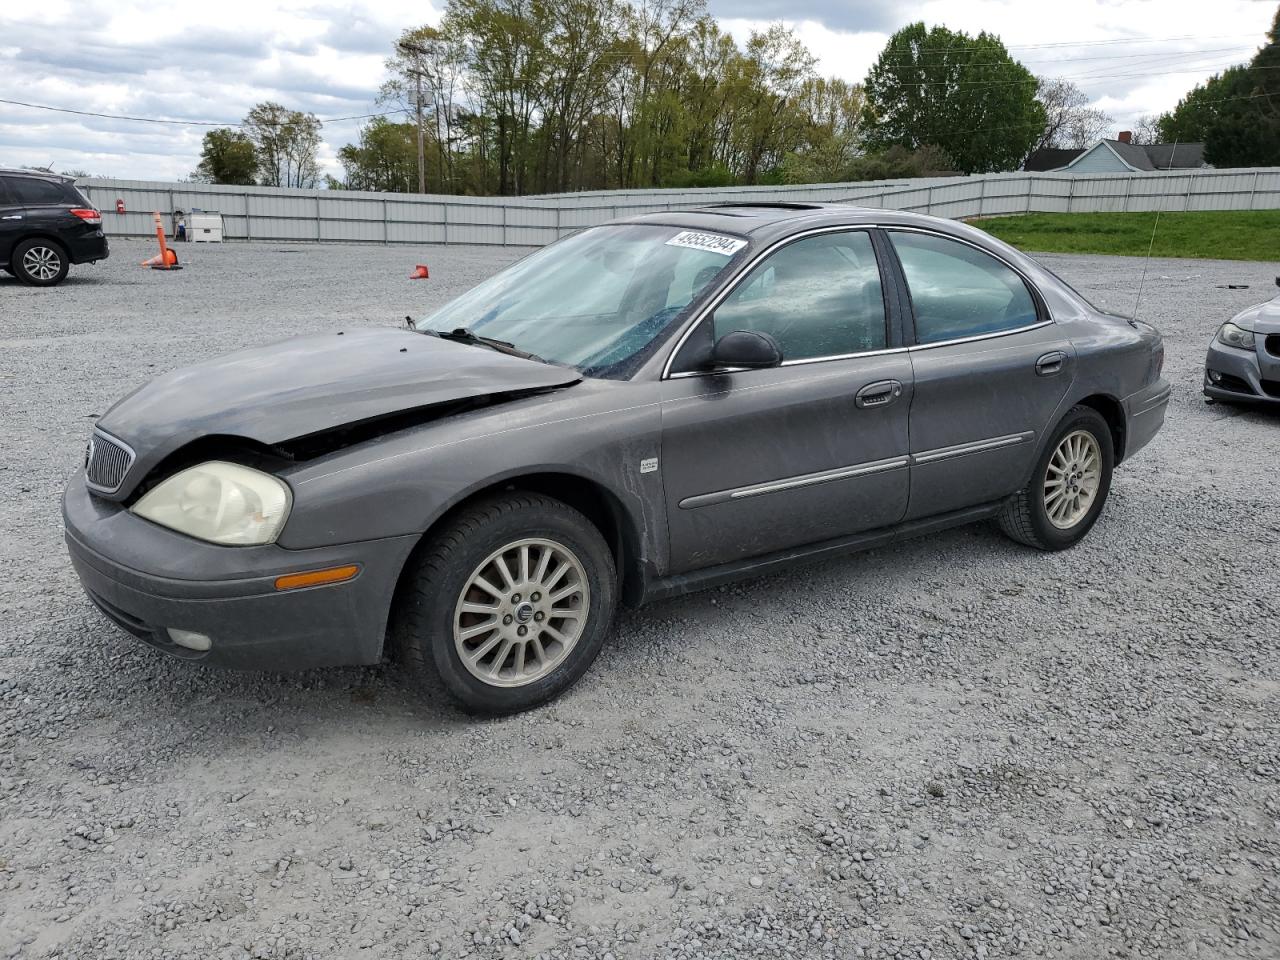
x=30, y=191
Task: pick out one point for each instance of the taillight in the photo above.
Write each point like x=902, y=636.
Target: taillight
x=88, y=215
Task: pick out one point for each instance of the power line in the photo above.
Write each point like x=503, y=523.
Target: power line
x=1007, y=127
x=388, y=113
x=1160, y=55
x=180, y=123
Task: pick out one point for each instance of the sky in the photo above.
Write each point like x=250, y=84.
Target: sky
x=212, y=61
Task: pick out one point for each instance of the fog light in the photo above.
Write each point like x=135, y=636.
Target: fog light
x=1215, y=376
x=190, y=639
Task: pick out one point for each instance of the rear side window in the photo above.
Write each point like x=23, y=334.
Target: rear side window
x=33, y=192
x=819, y=297
x=958, y=291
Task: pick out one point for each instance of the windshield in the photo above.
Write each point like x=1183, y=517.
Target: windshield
x=599, y=300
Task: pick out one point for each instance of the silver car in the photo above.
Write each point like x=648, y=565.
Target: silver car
x=1243, y=365
x=639, y=410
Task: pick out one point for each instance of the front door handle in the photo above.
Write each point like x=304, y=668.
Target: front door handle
x=1050, y=364
x=16, y=216
x=878, y=394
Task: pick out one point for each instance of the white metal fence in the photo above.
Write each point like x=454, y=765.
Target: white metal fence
x=264, y=213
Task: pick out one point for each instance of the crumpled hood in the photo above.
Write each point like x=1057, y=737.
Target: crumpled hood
x=308, y=384
x=1262, y=318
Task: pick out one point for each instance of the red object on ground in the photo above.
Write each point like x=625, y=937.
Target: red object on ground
x=419, y=272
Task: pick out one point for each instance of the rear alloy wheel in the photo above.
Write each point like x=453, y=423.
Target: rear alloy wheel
x=1072, y=479
x=510, y=603
x=39, y=263
x=1068, y=487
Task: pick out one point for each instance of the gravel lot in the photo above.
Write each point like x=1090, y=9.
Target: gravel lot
x=954, y=747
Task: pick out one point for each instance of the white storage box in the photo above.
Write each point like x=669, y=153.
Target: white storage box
x=205, y=227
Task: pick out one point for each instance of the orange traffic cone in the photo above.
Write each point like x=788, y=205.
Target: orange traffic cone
x=166, y=259
x=163, y=261
x=419, y=272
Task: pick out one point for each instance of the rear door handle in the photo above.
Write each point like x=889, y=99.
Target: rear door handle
x=878, y=394
x=16, y=216
x=1050, y=364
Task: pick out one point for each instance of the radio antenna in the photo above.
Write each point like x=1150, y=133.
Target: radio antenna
x=1154, y=227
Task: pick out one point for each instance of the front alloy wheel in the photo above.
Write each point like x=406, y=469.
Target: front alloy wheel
x=510, y=602
x=521, y=612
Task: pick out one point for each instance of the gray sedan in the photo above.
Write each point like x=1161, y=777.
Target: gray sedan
x=639, y=410
x=1243, y=365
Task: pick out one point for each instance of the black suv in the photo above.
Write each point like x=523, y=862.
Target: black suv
x=46, y=225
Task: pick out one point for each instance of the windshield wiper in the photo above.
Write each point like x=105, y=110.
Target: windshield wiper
x=463, y=335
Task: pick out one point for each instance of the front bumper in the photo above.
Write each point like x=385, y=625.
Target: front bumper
x=147, y=579
x=1144, y=415
x=1243, y=376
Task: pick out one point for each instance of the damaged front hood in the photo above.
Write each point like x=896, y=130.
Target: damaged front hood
x=310, y=384
x=1262, y=318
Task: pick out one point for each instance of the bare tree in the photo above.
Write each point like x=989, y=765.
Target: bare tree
x=285, y=143
x=1070, y=122
x=1146, y=129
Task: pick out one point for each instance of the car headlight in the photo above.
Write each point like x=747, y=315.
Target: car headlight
x=220, y=502
x=1234, y=336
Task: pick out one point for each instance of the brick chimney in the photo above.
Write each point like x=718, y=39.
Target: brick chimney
x=1125, y=136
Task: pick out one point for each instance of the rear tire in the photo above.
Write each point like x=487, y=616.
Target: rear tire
x=509, y=604
x=39, y=262
x=1068, y=487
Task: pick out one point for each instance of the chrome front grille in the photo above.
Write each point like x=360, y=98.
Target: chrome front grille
x=106, y=462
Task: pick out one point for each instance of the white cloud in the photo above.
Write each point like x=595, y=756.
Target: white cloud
x=214, y=61
x=1132, y=58
x=185, y=62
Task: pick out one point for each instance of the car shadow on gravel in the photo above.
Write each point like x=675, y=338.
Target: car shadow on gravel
x=8, y=282
x=1269, y=415
x=326, y=702
x=319, y=704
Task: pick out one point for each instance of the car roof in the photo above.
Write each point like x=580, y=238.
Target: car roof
x=39, y=174
x=764, y=221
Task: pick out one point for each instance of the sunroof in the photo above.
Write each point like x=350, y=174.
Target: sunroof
x=767, y=204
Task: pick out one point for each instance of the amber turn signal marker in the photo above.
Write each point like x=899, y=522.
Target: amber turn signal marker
x=314, y=578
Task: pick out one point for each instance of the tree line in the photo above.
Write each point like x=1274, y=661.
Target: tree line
x=541, y=96
x=1236, y=113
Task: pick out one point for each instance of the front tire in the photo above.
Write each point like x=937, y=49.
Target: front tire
x=39, y=262
x=1068, y=487
x=509, y=604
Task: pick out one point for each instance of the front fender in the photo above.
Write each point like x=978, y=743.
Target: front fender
x=403, y=483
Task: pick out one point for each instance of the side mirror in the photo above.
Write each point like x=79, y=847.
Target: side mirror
x=752, y=349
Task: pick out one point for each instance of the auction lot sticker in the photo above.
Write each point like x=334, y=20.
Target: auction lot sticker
x=711, y=242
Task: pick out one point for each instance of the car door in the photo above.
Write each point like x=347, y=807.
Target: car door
x=990, y=370
x=757, y=461
x=11, y=216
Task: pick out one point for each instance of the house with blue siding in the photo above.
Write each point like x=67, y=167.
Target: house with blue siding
x=1121, y=155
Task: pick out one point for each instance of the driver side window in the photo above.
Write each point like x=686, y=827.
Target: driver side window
x=818, y=297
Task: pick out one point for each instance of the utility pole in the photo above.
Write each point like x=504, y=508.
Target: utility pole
x=413, y=48
x=422, y=153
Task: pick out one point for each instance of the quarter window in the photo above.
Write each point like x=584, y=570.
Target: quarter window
x=819, y=297
x=27, y=190
x=958, y=291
